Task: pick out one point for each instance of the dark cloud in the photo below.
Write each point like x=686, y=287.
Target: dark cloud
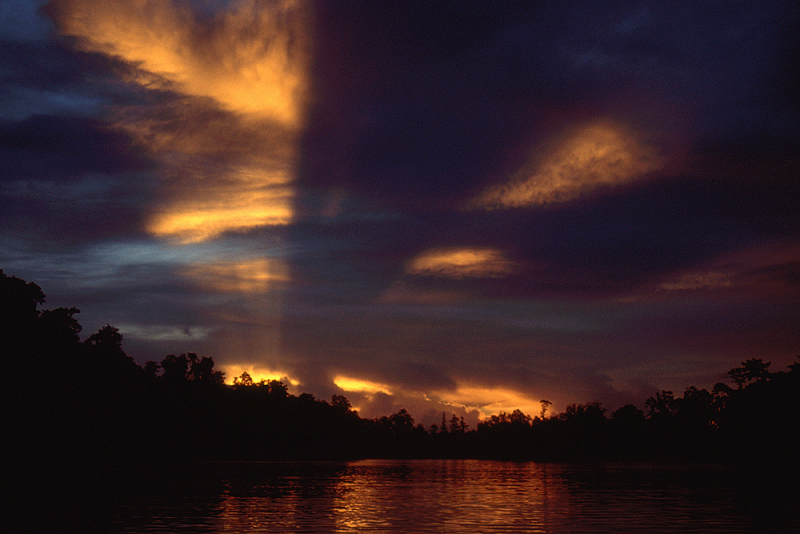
x=52, y=148
x=421, y=108
x=416, y=103
x=70, y=180
x=424, y=376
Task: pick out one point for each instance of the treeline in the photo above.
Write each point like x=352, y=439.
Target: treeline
x=86, y=404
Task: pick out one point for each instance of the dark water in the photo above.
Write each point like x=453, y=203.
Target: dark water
x=451, y=496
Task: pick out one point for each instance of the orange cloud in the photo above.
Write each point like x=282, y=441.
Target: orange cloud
x=595, y=155
x=227, y=143
x=247, y=198
x=461, y=263
x=250, y=276
x=256, y=373
x=251, y=59
x=355, y=385
x=488, y=401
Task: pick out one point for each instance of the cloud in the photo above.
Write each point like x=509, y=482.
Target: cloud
x=461, y=263
x=58, y=148
x=363, y=386
x=592, y=156
x=705, y=280
x=767, y=268
x=488, y=400
x=224, y=102
x=256, y=372
x=164, y=332
x=258, y=198
x=219, y=172
x=251, y=59
x=246, y=276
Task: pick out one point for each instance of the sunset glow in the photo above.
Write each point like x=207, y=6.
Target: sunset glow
x=461, y=263
x=234, y=208
x=444, y=207
x=256, y=373
x=490, y=400
x=249, y=276
x=595, y=155
x=251, y=59
x=356, y=385
x=251, y=62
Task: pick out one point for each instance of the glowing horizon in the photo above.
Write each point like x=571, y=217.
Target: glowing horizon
x=257, y=373
x=355, y=385
x=363, y=195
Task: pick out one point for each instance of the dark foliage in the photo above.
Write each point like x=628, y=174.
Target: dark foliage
x=85, y=409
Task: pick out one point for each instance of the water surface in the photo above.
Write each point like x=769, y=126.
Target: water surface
x=450, y=496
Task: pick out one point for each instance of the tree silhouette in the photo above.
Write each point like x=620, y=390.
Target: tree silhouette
x=628, y=415
x=545, y=405
x=91, y=408
x=751, y=370
x=106, y=357
x=662, y=406
x=202, y=370
x=340, y=402
x=243, y=380
x=175, y=368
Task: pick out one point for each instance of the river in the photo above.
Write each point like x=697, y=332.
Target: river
x=452, y=496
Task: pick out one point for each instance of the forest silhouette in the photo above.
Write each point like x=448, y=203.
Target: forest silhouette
x=86, y=409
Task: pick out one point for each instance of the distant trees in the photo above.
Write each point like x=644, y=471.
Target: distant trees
x=244, y=380
x=89, y=403
x=340, y=402
x=751, y=370
x=18, y=310
x=545, y=405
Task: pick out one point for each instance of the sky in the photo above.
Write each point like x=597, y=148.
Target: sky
x=460, y=207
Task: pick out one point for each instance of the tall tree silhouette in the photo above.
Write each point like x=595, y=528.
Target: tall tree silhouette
x=751, y=370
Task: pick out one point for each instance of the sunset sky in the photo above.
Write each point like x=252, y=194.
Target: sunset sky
x=444, y=206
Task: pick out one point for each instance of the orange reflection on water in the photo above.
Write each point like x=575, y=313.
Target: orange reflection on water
x=595, y=155
x=454, y=495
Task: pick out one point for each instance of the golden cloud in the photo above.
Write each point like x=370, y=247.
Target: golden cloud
x=355, y=385
x=256, y=373
x=462, y=263
x=489, y=400
x=226, y=143
x=251, y=59
x=247, y=198
x=249, y=276
x=595, y=155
